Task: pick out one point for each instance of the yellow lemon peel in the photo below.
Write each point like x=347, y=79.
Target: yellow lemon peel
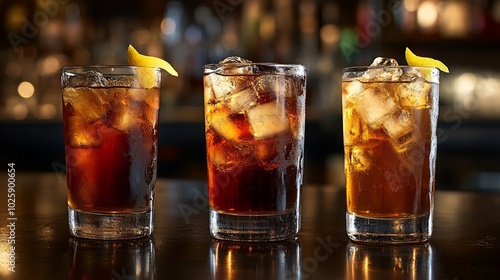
x=147, y=76
x=415, y=60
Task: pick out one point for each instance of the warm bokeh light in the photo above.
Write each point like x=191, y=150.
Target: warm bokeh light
x=329, y=34
x=267, y=27
x=427, y=15
x=15, y=17
x=26, y=89
x=465, y=84
x=20, y=111
x=50, y=65
x=411, y=5
x=308, y=24
x=454, y=19
x=47, y=111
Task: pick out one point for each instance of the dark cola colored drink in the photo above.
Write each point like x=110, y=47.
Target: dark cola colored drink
x=111, y=159
x=111, y=133
x=254, y=120
x=246, y=187
x=254, y=168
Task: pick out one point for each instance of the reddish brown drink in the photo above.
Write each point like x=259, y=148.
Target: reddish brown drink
x=254, y=120
x=240, y=174
x=110, y=125
x=111, y=161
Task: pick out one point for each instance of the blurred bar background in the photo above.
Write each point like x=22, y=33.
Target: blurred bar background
x=41, y=36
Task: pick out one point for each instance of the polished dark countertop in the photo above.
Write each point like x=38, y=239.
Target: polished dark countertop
x=465, y=244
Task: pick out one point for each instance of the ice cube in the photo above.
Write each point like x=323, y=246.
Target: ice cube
x=374, y=105
x=219, y=156
x=150, y=115
x=125, y=81
x=126, y=113
x=208, y=94
x=223, y=85
x=234, y=59
x=241, y=100
x=402, y=130
x=381, y=70
x=149, y=96
x=384, y=61
x=359, y=159
x=265, y=150
x=228, y=125
x=410, y=75
x=272, y=86
x=235, y=65
x=351, y=90
x=93, y=78
x=82, y=134
x=226, y=155
x=355, y=131
x=148, y=101
x=267, y=120
x=91, y=104
x=415, y=93
x=230, y=77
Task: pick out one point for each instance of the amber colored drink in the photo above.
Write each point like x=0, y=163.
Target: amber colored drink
x=389, y=177
x=390, y=149
x=110, y=126
x=254, y=136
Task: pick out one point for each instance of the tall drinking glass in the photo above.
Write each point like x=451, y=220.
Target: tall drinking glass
x=254, y=121
x=390, y=118
x=110, y=134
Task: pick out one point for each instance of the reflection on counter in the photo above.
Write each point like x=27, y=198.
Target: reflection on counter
x=238, y=260
x=92, y=259
x=389, y=262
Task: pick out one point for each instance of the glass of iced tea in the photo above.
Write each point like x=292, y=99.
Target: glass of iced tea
x=389, y=118
x=254, y=123
x=111, y=135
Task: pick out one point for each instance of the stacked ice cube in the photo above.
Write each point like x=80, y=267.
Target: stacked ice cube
x=382, y=97
x=240, y=91
x=113, y=102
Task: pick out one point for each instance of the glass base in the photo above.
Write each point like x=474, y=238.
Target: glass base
x=254, y=228
x=110, y=226
x=389, y=231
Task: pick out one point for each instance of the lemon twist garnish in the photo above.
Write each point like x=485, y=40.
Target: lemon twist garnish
x=147, y=76
x=415, y=60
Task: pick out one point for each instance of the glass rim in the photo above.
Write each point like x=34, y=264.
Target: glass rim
x=71, y=68
x=364, y=68
x=242, y=64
